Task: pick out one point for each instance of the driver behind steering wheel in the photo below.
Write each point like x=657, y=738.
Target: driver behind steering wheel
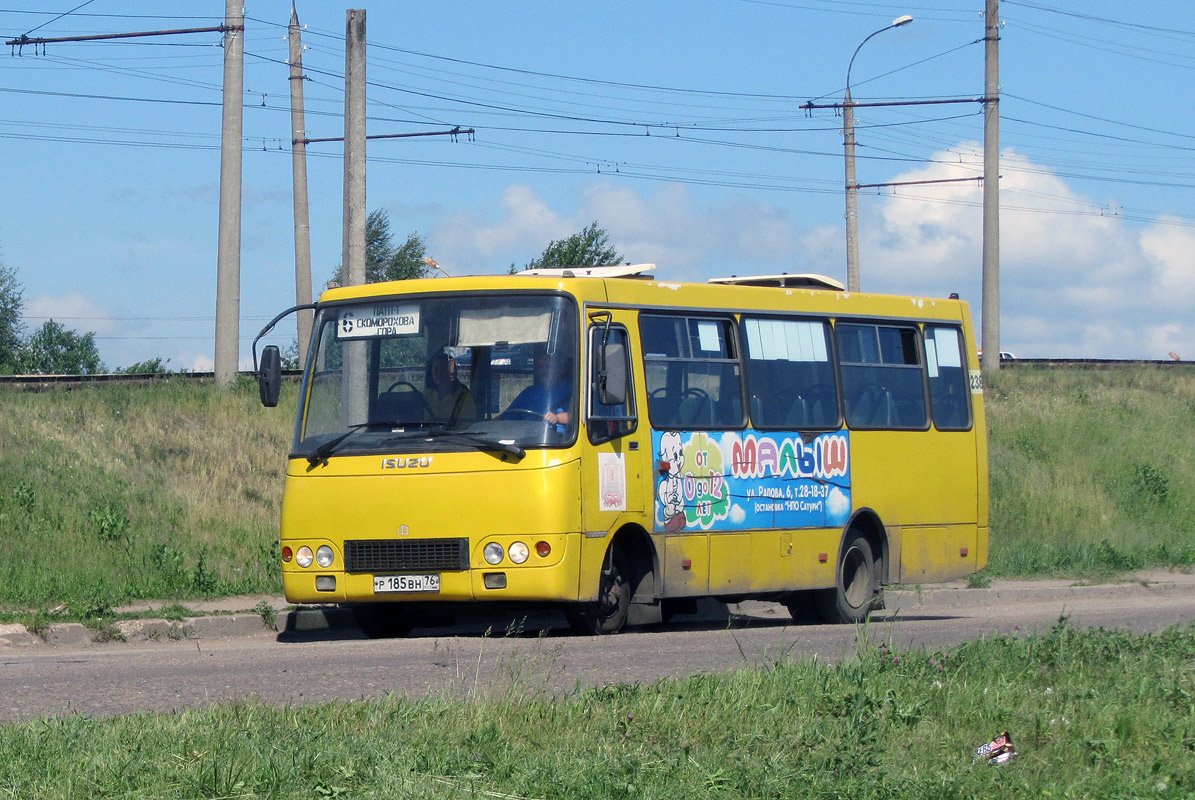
x=550, y=394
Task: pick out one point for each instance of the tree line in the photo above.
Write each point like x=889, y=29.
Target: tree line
x=53, y=349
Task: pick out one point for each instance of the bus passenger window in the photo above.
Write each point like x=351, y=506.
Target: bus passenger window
x=692, y=373
x=790, y=377
x=882, y=378
x=949, y=389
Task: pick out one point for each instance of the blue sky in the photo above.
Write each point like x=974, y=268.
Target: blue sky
x=676, y=125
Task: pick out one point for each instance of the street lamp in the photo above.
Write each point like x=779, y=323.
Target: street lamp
x=852, y=189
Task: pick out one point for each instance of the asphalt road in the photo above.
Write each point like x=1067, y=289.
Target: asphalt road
x=338, y=663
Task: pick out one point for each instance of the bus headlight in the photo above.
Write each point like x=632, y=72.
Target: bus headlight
x=519, y=552
x=324, y=556
x=492, y=553
x=304, y=557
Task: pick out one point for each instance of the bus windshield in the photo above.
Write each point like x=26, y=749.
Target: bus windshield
x=440, y=372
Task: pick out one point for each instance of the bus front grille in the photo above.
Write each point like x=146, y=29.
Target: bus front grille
x=404, y=555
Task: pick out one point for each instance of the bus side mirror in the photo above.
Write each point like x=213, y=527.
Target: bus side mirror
x=269, y=376
x=612, y=374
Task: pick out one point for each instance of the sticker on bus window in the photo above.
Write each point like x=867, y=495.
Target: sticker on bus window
x=384, y=319
x=743, y=480
x=708, y=338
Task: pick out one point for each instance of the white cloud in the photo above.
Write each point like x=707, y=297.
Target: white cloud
x=465, y=243
x=664, y=226
x=1076, y=279
x=1170, y=252
x=75, y=312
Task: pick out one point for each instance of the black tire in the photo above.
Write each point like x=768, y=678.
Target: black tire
x=857, y=591
x=609, y=614
x=384, y=620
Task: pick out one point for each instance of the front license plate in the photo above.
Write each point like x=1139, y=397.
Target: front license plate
x=406, y=583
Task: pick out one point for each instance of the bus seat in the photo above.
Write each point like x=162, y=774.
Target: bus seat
x=695, y=410
x=403, y=405
x=662, y=409
x=873, y=407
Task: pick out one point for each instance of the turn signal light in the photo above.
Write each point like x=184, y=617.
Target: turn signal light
x=543, y=549
x=287, y=554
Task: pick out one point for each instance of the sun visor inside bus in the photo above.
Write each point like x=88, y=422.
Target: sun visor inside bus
x=481, y=327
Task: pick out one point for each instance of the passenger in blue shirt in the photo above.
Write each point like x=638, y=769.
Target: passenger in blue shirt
x=550, y=395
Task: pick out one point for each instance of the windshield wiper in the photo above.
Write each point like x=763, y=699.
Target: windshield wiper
x=478, y=439
x=322, y=452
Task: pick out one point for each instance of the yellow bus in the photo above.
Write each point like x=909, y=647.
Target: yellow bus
x=618, y=446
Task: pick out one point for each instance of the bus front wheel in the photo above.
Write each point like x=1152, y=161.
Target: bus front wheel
x=857, y=591
x=609, y=613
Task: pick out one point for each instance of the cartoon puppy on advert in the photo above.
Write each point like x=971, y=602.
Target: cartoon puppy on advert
x=670, y=493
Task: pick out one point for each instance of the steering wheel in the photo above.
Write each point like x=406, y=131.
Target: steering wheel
x=523, y=414
x=407, y=384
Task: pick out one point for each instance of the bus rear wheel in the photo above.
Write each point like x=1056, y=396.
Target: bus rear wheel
x=383, y=620
x=609, y=613
x=857, y=591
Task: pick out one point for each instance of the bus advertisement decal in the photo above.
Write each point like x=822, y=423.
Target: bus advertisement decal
x=747, y=479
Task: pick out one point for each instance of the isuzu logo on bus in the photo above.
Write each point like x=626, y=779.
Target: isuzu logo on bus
x=407, y=462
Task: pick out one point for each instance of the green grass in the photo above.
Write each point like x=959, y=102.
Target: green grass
x=114, y=493
x=170, y=492
x=1092, y=472
x=1093, y=714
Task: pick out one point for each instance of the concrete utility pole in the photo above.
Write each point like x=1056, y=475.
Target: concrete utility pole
x=852, y=192
x=298, y=149
x=990, y=315
x=353, y=251
x=228, y=259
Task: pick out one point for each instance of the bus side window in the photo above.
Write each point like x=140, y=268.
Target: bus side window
x=692, y=369
x=883, y=384
x=790, y=375
x=608, y=422
x=949, y=390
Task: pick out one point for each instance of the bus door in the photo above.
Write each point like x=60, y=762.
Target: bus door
x=616, y=450
x=616, y=454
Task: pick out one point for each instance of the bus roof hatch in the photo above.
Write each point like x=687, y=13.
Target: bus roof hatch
x=784, y=280
x=614, y=271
